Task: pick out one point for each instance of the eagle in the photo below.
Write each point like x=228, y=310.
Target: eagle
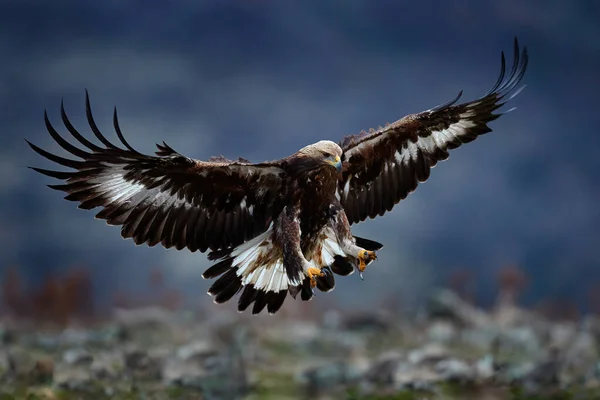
x=278, y=227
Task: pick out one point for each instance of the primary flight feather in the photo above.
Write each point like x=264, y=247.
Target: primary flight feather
x=274, y=227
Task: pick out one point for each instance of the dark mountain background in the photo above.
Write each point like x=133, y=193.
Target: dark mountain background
x=262, y=78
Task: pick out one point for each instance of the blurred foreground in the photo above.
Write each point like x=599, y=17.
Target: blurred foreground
x=54, y=345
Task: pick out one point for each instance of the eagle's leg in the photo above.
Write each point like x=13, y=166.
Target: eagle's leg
x=348, y=243
x=288, y=236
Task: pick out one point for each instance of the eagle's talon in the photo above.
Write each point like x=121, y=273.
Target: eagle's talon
x=364, y=258
x=313, y=274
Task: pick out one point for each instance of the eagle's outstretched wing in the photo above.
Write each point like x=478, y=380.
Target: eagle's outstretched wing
x=382, y=167
x=169, y=198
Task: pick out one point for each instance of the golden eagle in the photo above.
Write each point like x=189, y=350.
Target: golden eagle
x=275, y=227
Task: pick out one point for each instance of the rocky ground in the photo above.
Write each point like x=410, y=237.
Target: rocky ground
x=449, y=350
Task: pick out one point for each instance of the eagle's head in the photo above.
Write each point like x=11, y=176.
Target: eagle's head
x=324, y=152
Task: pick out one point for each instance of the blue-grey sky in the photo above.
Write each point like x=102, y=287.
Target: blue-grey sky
x=262, y=78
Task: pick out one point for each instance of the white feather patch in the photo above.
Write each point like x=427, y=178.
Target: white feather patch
x=112, y=184
x=330, y=248
x=347, y=186
x=269, y=276
x=428, y=143
x=441, y=138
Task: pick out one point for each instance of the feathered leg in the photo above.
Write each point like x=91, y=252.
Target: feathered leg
x=288, y=235
x=348, y=243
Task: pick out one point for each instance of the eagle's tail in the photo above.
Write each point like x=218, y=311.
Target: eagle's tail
x=256, y=269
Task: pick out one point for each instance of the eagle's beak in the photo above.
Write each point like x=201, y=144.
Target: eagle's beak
x=335, y=161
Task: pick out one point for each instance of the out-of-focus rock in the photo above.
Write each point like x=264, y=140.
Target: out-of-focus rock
x=72, y=377
x=430, y=353
x=509, y=373
x=77, y=357
x=7, y=335
x=420, y=378
x=420, y=369
x=141, y=365
x=485, y=368
x=455, y=370
x=379, y=321
x=76, y=338
x=442, y=331
x=591, y=325
x=110, y=335
x=71, y=337
x=147, y=317
x=482, y=338
x=545, y=374
x=591, y=379
x=199, y=349
x=42, y=371
x=446, y=304
x=580, y=354
x=4, y=362
x=327, y=377
x=531, y=375
x=198, y=366
x=108, y=365
x=293, y=333
x=383, y=369
x=192, y=361
x=190, y=364
x=522, y=341
x=509, y=316
x=561, y=334
x=305, y=338
x=20, y=362
x=46, y=342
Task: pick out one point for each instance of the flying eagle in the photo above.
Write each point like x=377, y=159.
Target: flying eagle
x=275, y=227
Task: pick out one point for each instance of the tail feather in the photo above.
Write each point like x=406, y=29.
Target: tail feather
x=276, y=301
x=247, y=297
x=226, y=286
x=228, y=291
x=306, y=292
x=271, y=300
x=255, y=269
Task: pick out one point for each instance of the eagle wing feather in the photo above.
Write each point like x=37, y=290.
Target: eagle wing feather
x=168, y=198
x=381, y=167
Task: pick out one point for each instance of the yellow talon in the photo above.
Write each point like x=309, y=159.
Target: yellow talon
x=364, y=258
x=313, y=273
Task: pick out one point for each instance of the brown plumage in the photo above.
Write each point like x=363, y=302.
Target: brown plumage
x=275, y=227
x=383, y=166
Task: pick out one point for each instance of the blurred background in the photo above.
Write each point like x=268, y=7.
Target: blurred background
x=262, y=78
